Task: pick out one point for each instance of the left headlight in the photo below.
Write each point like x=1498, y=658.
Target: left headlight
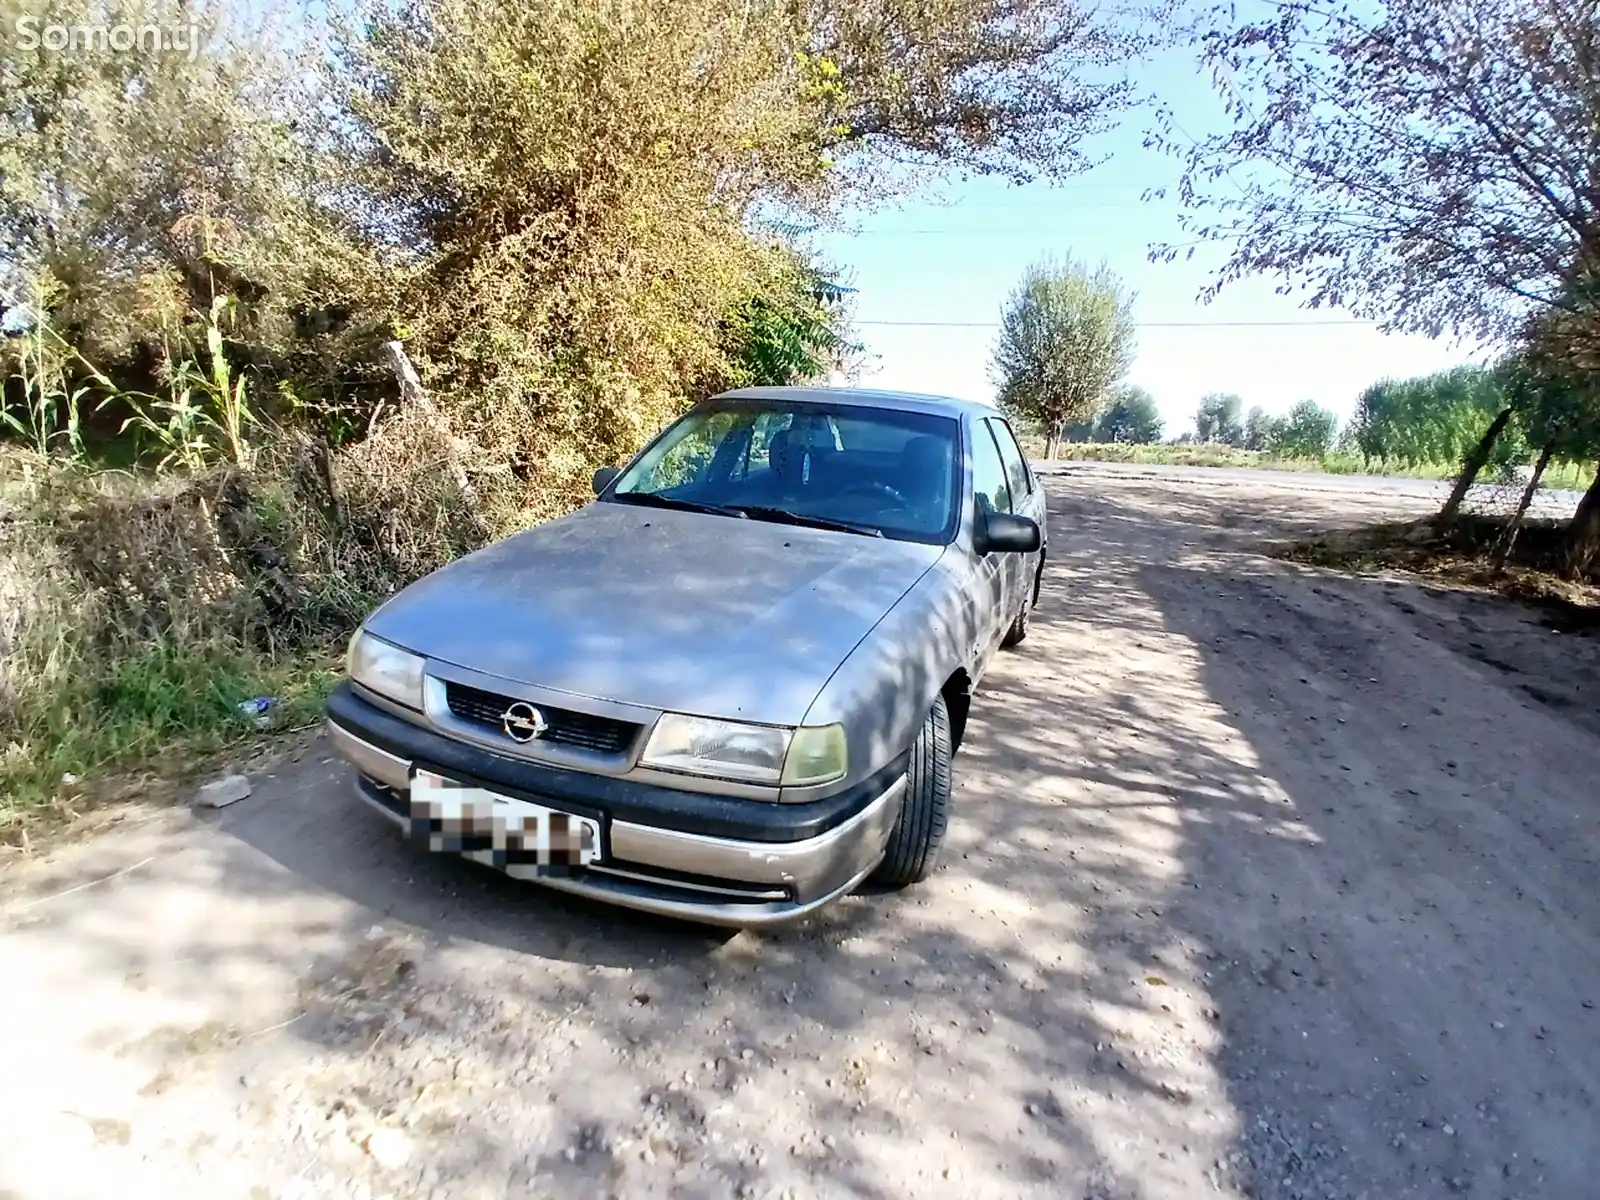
x=767, y=754
x=385, y=668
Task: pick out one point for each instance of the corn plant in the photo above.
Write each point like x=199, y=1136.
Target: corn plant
x=225, y=392
x=52, y=400
x=206, y=412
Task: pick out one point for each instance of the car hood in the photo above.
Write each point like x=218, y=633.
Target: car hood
x=690, y=612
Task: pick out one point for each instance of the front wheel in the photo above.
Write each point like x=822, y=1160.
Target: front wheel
x=913, y=850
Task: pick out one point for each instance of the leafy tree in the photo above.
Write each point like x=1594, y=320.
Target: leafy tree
x=137, y=187
x=1218, y=419
x=1556, y=395
x=1132, y=416
x=572, y=182
x=1427, y=163
x=793, y=333
x=1066, y=338
x=1429, y=419
x=1560, y=412
x=1306, y=431
x=1260, y=428
x=1006, y=87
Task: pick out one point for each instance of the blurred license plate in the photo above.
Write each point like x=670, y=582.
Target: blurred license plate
x=514, y=835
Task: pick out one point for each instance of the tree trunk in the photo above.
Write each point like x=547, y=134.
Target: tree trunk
x=1583, y=535
x=1471, y=465
x=1508, y=539
x=1051, y=437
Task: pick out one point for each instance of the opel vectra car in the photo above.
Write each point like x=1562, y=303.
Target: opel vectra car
x=728, y=689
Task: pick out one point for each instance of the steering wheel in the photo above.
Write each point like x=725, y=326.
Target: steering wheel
x=877, y=489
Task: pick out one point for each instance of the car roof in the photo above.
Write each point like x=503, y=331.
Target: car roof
x=864, y=398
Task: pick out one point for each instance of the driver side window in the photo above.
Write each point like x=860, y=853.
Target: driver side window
x=988, y=471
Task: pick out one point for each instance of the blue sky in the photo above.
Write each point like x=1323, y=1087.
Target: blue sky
x=953, y=257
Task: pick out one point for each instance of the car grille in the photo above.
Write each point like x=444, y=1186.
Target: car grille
x=604, y=735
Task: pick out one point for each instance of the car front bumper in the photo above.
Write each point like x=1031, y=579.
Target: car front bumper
x=683, y=854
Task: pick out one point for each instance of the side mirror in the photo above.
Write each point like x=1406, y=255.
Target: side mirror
x=1006, y=533
x=603, y=478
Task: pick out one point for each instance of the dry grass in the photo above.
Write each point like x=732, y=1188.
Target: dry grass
x=1463, y=555
x=136, y=612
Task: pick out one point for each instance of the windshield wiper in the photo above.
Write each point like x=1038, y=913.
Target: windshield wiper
x=784, y=516
x=656, y=500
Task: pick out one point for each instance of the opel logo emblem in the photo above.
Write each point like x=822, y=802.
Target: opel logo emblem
x=523, y=722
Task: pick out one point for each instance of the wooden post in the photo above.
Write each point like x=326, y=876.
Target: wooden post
x=411, y=391
x=413, y=395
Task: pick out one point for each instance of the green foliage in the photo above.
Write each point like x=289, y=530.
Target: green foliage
x=995, y=87
x=1434, y=418
x=158, y=700
x=41, y=364
x=793, y=333
x=1131, y=417
x=140, y=180
x=1066, y=338
x=1217, y=419
x=1553, y=381
x=205, y=413
x=1307, y=431
x=1259, y=429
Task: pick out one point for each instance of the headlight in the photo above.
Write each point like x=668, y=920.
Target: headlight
x=816, y=755
x=767, y=754
x=385, y=669
x=721, y=749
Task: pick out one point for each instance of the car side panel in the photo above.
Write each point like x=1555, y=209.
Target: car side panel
x=1035, y=507
x=990, y=589
x=885, y=688
x=1030, y=503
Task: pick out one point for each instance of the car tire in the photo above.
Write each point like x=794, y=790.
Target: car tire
x=913, y=850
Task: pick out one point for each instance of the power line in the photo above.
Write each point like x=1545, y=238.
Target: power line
x=979, y=230
x=1137, y=324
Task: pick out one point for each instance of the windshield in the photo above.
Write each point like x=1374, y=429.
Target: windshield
x=871, y=470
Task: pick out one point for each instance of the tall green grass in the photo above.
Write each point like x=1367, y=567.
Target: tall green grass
x=165, y=705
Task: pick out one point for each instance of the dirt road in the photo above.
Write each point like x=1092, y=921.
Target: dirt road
x=1262, y=883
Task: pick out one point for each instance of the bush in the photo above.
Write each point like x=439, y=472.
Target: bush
x=138, y=611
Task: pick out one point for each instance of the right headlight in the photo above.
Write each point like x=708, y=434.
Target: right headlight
x=386, y=669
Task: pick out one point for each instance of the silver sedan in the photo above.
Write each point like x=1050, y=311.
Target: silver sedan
x=731, y=687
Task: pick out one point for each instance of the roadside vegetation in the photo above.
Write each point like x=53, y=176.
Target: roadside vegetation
x=1066, y=341
x=291, y=322
x=1427, y=164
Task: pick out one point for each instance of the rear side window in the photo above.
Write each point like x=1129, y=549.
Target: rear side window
x=1011, y=454
x=989, y=471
